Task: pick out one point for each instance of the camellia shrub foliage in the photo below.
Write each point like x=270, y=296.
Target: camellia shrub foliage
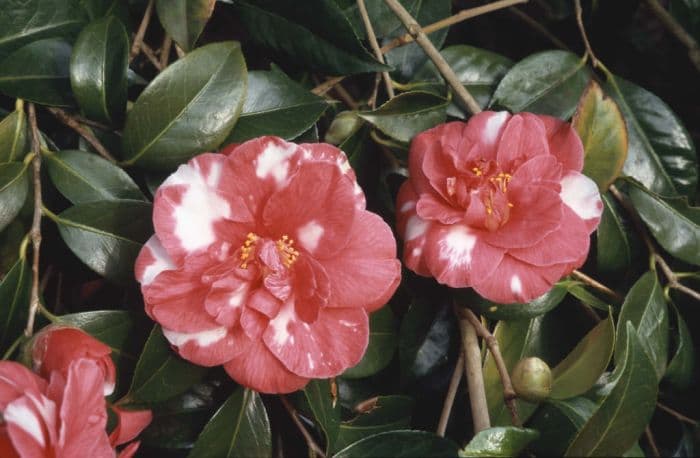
x=349, y=228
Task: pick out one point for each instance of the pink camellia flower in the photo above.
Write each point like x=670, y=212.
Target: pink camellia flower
x=498, y=204
x=266, y=261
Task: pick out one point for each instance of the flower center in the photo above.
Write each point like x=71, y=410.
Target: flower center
x=285, y=249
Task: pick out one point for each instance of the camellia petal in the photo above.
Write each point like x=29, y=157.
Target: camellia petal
x=580, y=194
x=152, y=260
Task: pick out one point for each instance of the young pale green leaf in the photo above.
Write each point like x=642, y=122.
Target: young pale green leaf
x=517, y=311
x=32, y=20
x=602, y=129
x=408, y=114
x=401, y=444
x=184, y=20
x=325, y=409
x=14, y=141
x=579, y=371
x=107, y=235
x=679, y=372
x=388, y=413
x=314, y=33
x=160, y=374
x=240, y=428
x=558, y=423
x=501, y=441
x=83, y=177
x=14, y=302
x=38, y=72
x=614, y=247
x=188, y=108
x=98, y=70
x=383, y=340
x=276, y=105
x=645, y=307
x=671, y=220
x=627, y=407
x=661, y=154
x=549, y=82
x=14, y=186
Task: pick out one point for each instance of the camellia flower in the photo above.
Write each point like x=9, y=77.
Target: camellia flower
x=266, y=261
x=498, y=204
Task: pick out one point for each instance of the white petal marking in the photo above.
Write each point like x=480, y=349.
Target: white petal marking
x=274, y=160
x=581, y=194
x=493, y=126
x=162, y=261
x=457, y=246
x=415, y=227
x=279, y=324
x=24, y=418
x=238, y=295
x=516, y=285
x=202, y=338
x=310, y=234
x=410, y=205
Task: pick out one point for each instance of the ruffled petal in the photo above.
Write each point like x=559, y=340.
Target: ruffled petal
x=209, y=347
x=412, y=229
x=524, y=137
x=151, y=261
x=580, y=193
x=482, y=134
x=543, y=170
x=564, y=143
x=32, y=425
x=15, y=380
x=130, y=423
x=430, y=207
x=7, y=450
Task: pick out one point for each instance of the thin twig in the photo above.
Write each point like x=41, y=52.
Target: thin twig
x=372, y=38
x=431, y=51
x=577, y=274
x=450, y=396
x=652, y=443
x=584, y=36
x=539, y=28
x=347, y=98
x=71, y=122
x=509, y=394
x=676, y=29
x=677, y=414
x=179, y=51
x=141, y=32
x=165, y=51
x=91, y=123
x=151, y=55
x=307, y=436
x=35, y=231
x=372, y=101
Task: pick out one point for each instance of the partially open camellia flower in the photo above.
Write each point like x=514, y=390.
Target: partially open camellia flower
x=498, y=204
x=266, y=261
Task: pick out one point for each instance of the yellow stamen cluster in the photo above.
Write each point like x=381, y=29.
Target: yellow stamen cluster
x=501, y=180
x=247, y=249
x=286, y=249
x=477, y=171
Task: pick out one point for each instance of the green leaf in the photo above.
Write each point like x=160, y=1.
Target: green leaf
x=188, y=108
x=501, y=441
x=645, y=307
x=517, y=311
x=671, y=220
x=661, y=154
x=679, y=372
x=160, y=374
x=98, y=70
x=324, y=408
x=478, y=70
x=276, y=105
x=548, y=82
x=38, y=72
x=240, y=428
x=14, y=141
x=400, y=444
x=602, y=129
x=107, y=235
x=627, y=407
x=579, y=291
x=579, y=371
x=14, y=186
x=10, y=241
x=383, y=19
x=613, y=248
x=97, y=9
x=558, y=423
x=83, y=177
x=14, y=302
x=388, y=413
x=315, y=33
x=184, y=20
x=30, y=20
x=383, y=340
x=408, y=114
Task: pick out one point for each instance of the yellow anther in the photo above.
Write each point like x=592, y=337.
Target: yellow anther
x=247, y=249
x=477, y=171
x=288, y=253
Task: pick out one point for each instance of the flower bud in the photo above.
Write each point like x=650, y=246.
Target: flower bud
x=532, y=379
x=343, y=125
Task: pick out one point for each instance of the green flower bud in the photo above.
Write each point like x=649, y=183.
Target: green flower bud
x=532, y=379
x=343, y=125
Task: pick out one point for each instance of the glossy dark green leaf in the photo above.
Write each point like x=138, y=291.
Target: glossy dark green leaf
x=14, y=302
x=579, y=371
x=31, y=20
x=645, y=307
x=478, y=70
x=14, y=141
x=602, y=129
x=400, y=444
x=383, y=339
x=679, y=372
x=314, y=33
x=579, y=291
x=84, y=177
x=672, y=222
x=240, y=428
x=184, y=20
x=388, y=413
x=98, y=70
x=407, y=114
x=10, y=241
x=626, y=408
x=14, y=186
x=188, y=108
x=160, y=374
x=516, y=311
x=97, y=9
x=613, y=248
x=276, y=105
x=661, y=154
x=107, y=235
x=325, y=409
x=558, y=423
x=549, y=82
x=38, y=72
x=501, y=441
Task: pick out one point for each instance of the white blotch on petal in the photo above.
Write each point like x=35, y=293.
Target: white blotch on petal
x=493, y=126
x=310, y=234
x=236, y=298
x=310, y=361
x=214, y=175
x=279, y=324
x=160, y=263
x=274, y=160
x=24, y=418
x=416, y=252
x=410, y=205
x=581, y=194
x=516, y=285
x=202, y=338
x=457, y=245
x=108, y=388
x=415, y=227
